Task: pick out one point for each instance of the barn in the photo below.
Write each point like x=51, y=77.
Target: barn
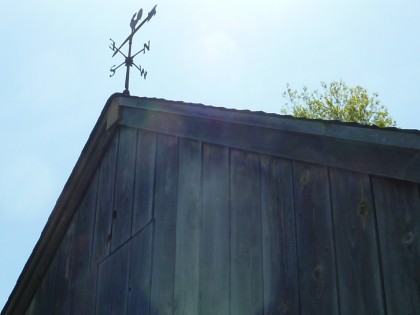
x=179, y=208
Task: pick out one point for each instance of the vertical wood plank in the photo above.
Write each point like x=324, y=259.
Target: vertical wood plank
x=398, y=214
x=317, y=272
x=246, y=250
x=82, y=245
x=144, y=180
x=140, y=272
x=188, y=228
x=215, y=237
x=120, y=279
x=104, y=290
x=113, y=282
x=360, y=288
x=163, y=275
x=281, y=295
x=64, y=266
x=83, y=294
x=102, y=232
x=32, y=308
x=42, y=301
x=50, y=278
x=124, y=187
x=63, y=308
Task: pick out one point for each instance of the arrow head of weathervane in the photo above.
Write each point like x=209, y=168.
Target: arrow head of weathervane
x=151, y=13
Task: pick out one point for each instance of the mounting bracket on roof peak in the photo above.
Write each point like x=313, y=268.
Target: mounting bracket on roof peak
x=129, y=59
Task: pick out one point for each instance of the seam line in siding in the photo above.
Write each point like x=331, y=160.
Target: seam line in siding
x=94, y=217
x=114, y=179
x=378, y=245
x=153, y=223
x=337, y=281
x=136, y=154
x=229, y=153
x=261, y=234
x=292, y=171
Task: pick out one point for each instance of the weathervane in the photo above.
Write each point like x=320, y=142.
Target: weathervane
x=129, y=58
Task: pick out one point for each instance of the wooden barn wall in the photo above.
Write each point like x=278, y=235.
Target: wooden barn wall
x=175, y=226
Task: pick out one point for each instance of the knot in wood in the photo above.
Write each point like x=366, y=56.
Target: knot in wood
x=317, y=273
x=363, y=212
x=304, y=177
x=408, y=238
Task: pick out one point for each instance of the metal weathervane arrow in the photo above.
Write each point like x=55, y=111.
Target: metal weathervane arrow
x=128, y=62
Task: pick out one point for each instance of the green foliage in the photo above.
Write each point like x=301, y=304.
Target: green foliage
x=337, y=101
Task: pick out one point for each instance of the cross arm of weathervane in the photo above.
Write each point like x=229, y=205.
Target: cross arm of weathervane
x=129, y=57
x=114, y=48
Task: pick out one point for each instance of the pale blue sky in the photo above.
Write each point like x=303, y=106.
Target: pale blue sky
x=54, y=77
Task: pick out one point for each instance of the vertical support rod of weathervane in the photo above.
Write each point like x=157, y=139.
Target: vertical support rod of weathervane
x=128, y=64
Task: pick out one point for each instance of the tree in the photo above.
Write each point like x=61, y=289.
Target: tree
x=337, y=101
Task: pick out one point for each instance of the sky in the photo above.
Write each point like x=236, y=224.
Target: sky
x=54, y=77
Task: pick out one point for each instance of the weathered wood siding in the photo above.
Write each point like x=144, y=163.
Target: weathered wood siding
x=170, y=225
